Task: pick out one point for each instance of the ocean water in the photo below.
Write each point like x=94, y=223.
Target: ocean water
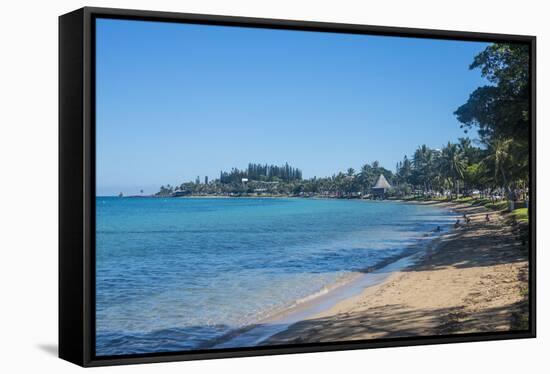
x=179, y=274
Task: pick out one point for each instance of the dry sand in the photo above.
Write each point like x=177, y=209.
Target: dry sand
x=473, y=279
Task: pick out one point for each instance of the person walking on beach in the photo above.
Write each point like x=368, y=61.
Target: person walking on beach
x=487, y=219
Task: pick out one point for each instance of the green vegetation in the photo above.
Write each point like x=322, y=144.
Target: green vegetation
x=497, y=205
x=499, y=168
x=263, y=173
x=488, y=173
x=269, y=180
x=521, y=214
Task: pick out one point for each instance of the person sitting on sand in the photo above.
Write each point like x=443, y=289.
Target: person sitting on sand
x=457, y=223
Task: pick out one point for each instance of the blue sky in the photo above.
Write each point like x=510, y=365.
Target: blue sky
x=175, y=101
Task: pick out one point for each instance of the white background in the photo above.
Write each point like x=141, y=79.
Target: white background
x=28, y=183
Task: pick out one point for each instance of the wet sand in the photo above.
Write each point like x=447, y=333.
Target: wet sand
x=473, y=279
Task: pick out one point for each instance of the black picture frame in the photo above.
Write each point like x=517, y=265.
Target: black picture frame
x=77, y=184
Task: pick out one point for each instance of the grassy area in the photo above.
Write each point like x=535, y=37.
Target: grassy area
x=478, y=202
x=467, y=199
x=521, y=214
x=499, y=205
x=488, y=203
x=424, y=198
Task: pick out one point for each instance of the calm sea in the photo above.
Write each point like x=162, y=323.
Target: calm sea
x=177, y=274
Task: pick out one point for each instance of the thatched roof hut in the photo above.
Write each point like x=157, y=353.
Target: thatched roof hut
x=382, y=182
x=381, y=186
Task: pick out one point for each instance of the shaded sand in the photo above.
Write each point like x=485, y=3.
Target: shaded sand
x=473, y=279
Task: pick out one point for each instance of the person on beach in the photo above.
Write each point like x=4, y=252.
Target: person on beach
x=487, y=219
x=437, y=229
x=468, y=219
x=457, y=223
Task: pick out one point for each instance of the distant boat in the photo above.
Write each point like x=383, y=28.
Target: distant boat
x=120, y=194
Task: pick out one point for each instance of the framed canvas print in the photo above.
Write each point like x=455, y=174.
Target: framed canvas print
x=237, y=186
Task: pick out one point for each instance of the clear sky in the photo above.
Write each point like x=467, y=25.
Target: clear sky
x=175, y=101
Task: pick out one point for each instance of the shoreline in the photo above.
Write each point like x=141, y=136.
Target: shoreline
x=364, y=299
x=471, y=280
x=303, y=309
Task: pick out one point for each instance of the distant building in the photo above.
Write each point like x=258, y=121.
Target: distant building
x=381, y=187
x=206, y=179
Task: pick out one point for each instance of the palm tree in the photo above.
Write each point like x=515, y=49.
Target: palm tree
x=465, y=145
x=406, y=170
x=364, y=177
x=453, y=164
x=498, y=158
x=431, y=167
x=423, y=162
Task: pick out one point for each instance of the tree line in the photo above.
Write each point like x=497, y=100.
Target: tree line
x=497, y=161
x=259, y=172
x=500, y=113
x=285, y=180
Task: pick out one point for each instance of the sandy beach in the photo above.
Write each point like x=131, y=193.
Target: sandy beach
x=473, y=279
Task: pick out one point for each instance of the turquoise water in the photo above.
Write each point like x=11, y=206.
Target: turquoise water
x=178, y=274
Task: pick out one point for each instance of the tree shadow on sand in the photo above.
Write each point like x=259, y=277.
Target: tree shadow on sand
x=478, y=244
x=474, y=245
x=396, y=321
